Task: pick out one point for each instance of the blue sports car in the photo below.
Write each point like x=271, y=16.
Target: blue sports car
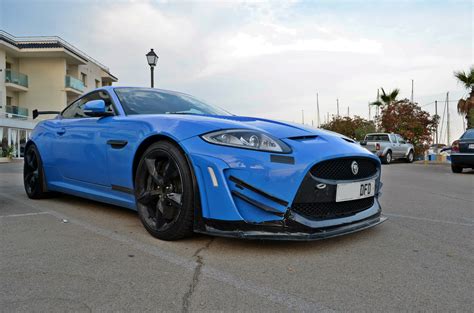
x=186, y=167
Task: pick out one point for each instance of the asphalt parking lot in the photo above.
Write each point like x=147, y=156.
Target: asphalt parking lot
x=70, y=254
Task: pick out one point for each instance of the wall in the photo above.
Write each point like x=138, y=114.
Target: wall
x=46, y=83
x=15, y=97
x=3, y=96
x=93, y=72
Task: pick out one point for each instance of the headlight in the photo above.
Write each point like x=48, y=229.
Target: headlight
x=247, y=139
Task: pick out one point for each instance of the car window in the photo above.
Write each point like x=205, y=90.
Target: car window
x=469, y=134
x=393, y=138
x=76, y=109
x=377, y=137
x=401, y=140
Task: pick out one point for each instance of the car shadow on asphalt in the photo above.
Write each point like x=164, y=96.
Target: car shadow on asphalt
x=119, y=213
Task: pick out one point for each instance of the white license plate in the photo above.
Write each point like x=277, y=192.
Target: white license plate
x=471, y=146
x=354, y=191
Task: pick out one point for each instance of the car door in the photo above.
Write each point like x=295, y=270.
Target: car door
x=402, y=146
x=394, y=145
x=81, y=145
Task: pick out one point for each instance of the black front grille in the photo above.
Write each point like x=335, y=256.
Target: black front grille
x=341, y=169
x=328, y=210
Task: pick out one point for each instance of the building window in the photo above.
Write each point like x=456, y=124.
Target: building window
x=97, y=83
x=9, y=101
x=84, y=79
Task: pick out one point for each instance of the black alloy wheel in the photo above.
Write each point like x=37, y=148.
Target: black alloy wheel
x=164, y=192
x=33, y=175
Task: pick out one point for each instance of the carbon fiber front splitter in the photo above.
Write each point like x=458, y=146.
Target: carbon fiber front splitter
x=287, y=229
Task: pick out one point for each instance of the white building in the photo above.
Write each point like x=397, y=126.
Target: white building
x=44, y=73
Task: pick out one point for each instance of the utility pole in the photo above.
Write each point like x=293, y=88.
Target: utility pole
x=412, y=83
x=436, y=113
x=348, y=111
x=369, y=111
x=302, y=117
x=317, y=106
x=377, y=107
x=328, y=117
x=337, y=102
x=447, y=119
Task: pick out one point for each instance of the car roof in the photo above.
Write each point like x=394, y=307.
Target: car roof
x=109, y=88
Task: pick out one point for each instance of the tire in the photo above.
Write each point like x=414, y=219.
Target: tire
x=411, y=157
x=456, y=168
x=164, y=192
x=33, y=174
x=387, y=158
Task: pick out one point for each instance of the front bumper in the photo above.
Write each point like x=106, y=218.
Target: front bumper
x=287, y=229
x=255, y=195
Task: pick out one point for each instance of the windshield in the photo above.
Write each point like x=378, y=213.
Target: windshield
x=149, y=101
x=469, y=134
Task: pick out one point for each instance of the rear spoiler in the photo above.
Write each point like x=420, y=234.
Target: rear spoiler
x=36, y=113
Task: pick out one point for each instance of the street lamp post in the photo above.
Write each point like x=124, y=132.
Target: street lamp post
x=152, y=58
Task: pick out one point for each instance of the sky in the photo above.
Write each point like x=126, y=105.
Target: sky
x=270, y=58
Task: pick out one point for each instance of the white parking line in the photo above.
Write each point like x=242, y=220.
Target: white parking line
x=268, y=293
x=428, y=219
x=24, y=214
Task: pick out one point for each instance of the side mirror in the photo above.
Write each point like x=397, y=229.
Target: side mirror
x=95, y=108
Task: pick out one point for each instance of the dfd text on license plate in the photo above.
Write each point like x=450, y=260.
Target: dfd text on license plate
x=354, y=191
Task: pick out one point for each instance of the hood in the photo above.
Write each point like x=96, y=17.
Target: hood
x=187, y=126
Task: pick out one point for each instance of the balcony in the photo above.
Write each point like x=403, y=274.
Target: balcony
x=16, y=81
x=15, y=117
x=74, y=86
x=16, y=112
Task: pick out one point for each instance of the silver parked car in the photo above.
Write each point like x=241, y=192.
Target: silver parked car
x=389, y=147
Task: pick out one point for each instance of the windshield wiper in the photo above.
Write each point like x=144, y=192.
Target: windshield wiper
x=184, y=113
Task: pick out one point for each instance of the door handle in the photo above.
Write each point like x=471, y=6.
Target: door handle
x=61, y=131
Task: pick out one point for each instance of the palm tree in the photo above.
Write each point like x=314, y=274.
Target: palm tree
x=390, y=97
x=466, y=107
x=385, y=99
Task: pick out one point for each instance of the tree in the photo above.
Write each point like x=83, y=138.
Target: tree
x=385, y=99
x=410, y=121
x=466, y=106
x=356, y=127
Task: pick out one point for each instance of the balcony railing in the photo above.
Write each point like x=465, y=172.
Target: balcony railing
x=16, y=78
x=74, y=83
x=16, y=112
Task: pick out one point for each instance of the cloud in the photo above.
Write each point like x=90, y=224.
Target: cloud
x=244, y=46
x=269, y=58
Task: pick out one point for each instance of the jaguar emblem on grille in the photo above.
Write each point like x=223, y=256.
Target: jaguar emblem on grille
x=354, y=167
